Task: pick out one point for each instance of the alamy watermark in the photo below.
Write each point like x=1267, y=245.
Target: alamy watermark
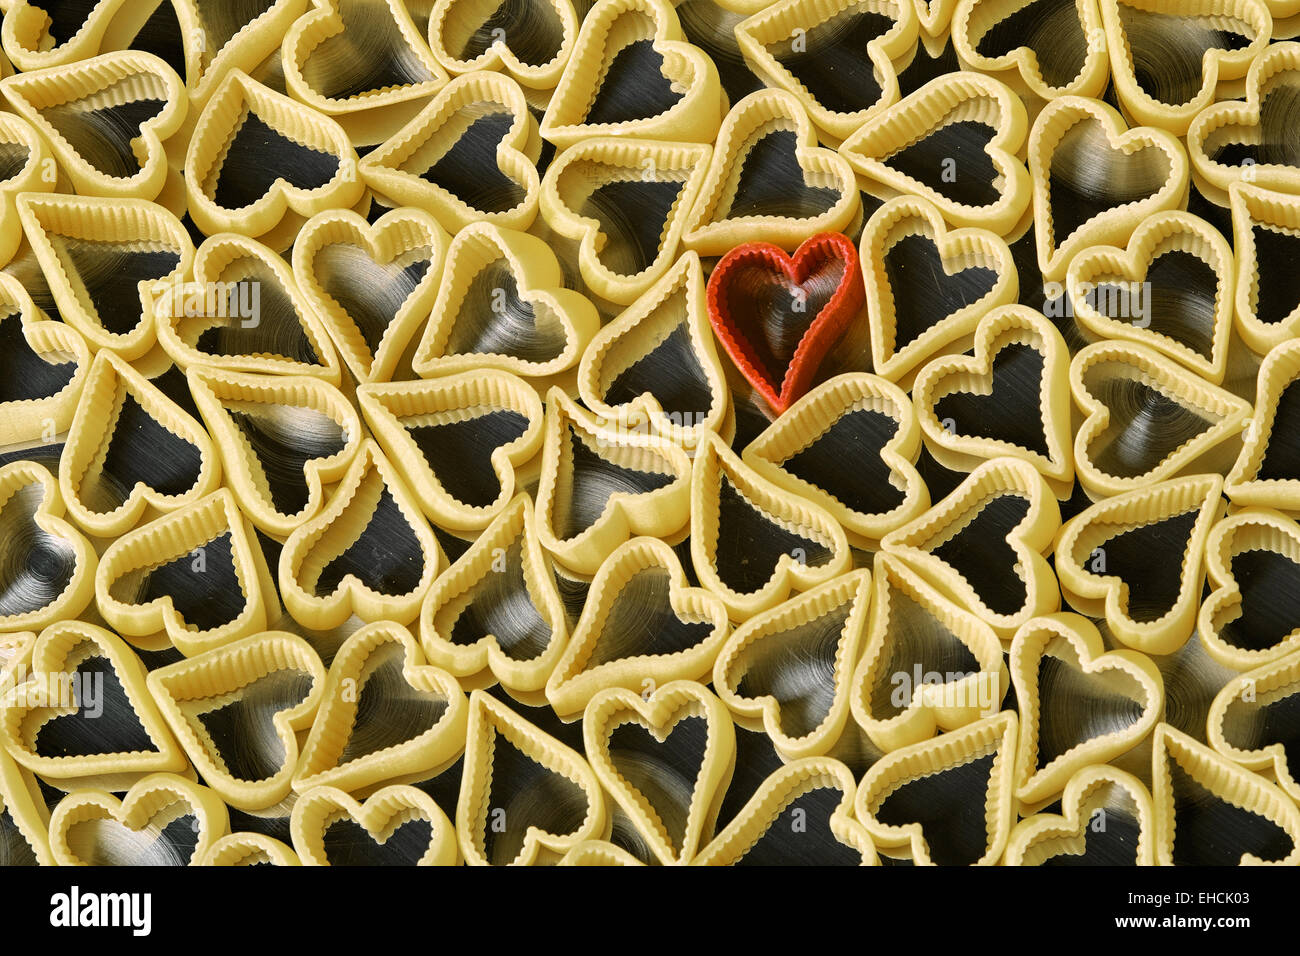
x=631, y=426
x=981, y=690
x=57, y=690
x=1130, y=301
x=77, y=908
x=239, y=301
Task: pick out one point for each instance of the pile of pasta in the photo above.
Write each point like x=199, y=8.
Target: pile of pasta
x=726, y=432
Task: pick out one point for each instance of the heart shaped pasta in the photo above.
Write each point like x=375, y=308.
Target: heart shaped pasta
x=372, y=285
x=777, y=345
x=502, y=816
x=495, y=613
x=1003, y=500
x=631, y=74
x=1047, y=48
x=530, y=41
x=236, y=710
x=626, y=202
x=649, y=433
x=1078, y=705
x=1107, y=560
x=1191, y=784
x=1248, y=722
x=642, y=622
x=1171, y=289
x=129, y=449
x=1146, y=171
x=1010, y=398
x=196, y=576
x=459, y=440
x=1108, y=821
x=49, y=571
x=469, y=156
x=909, y=800
x=800, y=815
x=102, y=259
x=1167, y=59
x=788, y=670
x=365, y=63
x=973, y=270
x=904, y=147
x=656, y=365
x=1250, y=559
x=752, y=541
x=385, y=715
x=261, y=164
x=810, y=48
x=403, y=825
x=665, y=759
x=502, y=304
x=35, y=39
x=1124, y=390
x=769, y=181
x=51, y=723
x=164, y=820
x=106, y=120
x=1249, y=141
x=927, y=664
x=369, y=552
x=600, y=486
x=859, y=414
x=243, y=313
x=283, y=439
